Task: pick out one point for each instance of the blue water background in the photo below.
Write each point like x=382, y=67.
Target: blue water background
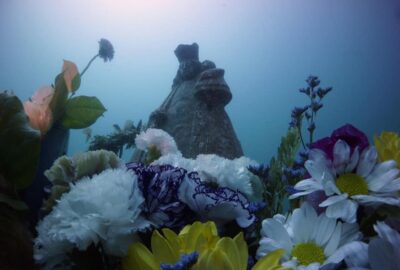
x=267, y=49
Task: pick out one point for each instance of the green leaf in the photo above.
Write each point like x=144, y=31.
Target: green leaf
x=16, y=204
x=82, y=111
x=59, y=100
x=20, y=144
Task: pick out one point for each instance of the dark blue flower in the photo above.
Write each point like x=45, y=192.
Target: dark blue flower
x=106, y=50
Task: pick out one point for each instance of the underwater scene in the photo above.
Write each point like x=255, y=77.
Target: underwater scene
x=199, y=134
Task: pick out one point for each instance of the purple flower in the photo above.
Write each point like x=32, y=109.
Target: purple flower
x=159, y=185
x=106, y=50
x=348, y=133
x=296, y=115
x=321, y=92
x=313, y=81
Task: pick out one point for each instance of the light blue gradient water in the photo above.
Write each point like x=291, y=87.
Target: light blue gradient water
x=267, y=49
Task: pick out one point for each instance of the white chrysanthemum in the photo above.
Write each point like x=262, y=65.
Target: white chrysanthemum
x=350, y=180
x=310, y=241
x=104, y=209
x=158, y=138
x=225, y=172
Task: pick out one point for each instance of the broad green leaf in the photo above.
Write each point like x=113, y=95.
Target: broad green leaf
x=59, y=100
x=82, y=111
x=19, y=144
x=16, y=204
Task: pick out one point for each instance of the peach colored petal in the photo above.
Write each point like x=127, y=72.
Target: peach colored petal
x=70, y=71
x=38, y=109
x=43, y=95
x=33, y=111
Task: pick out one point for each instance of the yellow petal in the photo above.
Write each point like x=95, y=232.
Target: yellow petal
x=69, y=70
x=162, y=250
x=219, y=260
x=172, y=238
x=139, y=257
x=242, y=248
x=270, y=261
x=228, y=246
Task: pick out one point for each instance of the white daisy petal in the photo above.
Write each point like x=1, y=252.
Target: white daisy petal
x=375, y=200
x=319, y=156
x=325, y=230
x=280, y=218
x=330, y=188
x=315, y=169
x=345, y=209
x=382, y=255
x=304, y=226
x=334, y=241
x=377, y=183
x=306, y=186
x=350, y=232
x=267, y=245
x=304, y=221
x=277, y=232
x=354, y=253
x=381, y=168
x=333, y=199
x=387, y=233
x=367, y=161
x=392, y=187
x=341, y=156
x=353, y=161
x=299, y=194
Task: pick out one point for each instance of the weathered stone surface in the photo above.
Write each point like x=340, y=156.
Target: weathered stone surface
x=193, y=113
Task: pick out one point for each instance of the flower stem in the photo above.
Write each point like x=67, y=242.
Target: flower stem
x=301, y=137
x=312, y=116
x=87, y=66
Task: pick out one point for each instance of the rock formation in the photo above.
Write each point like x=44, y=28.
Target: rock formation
x=193, y=113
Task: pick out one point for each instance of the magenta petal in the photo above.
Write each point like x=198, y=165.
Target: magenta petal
x=348, y=133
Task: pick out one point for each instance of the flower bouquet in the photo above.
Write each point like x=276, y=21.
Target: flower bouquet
x=215, y=213
x=334, y=204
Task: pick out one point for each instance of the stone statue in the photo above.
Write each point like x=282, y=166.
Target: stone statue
x=193, y=113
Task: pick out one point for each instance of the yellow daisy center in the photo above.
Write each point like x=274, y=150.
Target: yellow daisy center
x=307, y=253
x=352, y=184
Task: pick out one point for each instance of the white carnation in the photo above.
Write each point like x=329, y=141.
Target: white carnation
x=158, y=138
x=225, y=172
x=104, y=209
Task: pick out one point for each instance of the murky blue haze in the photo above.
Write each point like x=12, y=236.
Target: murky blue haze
x=267, y=49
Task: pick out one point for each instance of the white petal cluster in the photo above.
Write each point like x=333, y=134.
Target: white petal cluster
x=305, y=226
x=103, y=209
x=164, y=142
x=225, y=172
x=382, y=180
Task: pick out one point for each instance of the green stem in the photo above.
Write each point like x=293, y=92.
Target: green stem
x=88, y=65
x=301, y=137
x=312, y=116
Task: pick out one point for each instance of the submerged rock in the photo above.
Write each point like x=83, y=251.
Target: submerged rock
x=193, y=113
